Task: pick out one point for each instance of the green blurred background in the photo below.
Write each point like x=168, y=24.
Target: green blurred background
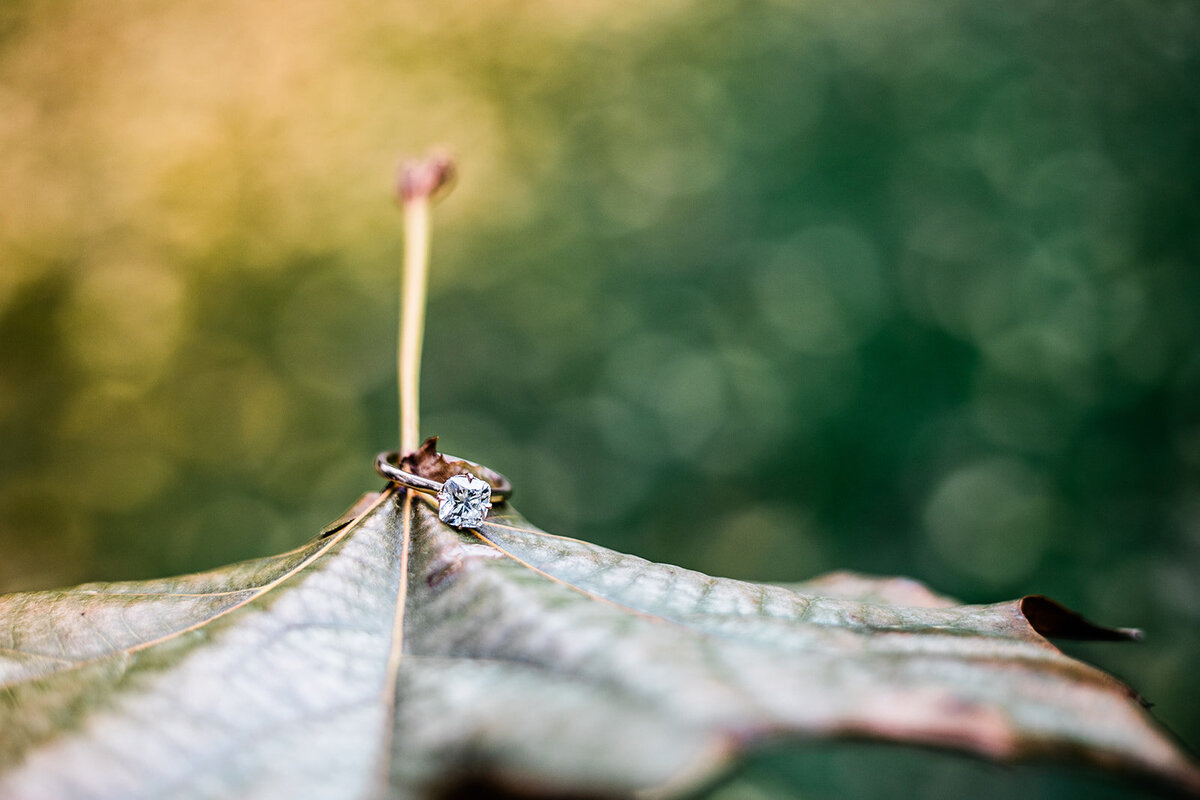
x=760, y=288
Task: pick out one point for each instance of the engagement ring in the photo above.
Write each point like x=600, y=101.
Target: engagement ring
x=463, y=499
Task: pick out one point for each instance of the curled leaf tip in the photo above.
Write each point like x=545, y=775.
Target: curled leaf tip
x=425, y=460
x=1132, y=634
x=428, y=449
x=1055, y=621
x=427, y=178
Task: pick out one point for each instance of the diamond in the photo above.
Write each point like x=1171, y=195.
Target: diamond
x=464, y=501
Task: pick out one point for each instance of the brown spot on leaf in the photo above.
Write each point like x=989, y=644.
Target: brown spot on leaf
x=443, y=572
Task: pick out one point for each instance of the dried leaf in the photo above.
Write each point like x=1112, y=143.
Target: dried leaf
x=395, y=657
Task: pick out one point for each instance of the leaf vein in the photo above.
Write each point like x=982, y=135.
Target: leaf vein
x=322, y=550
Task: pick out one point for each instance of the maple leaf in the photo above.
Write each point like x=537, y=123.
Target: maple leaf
x=393, y=656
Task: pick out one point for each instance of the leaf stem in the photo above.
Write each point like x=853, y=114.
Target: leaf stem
x=420, y=182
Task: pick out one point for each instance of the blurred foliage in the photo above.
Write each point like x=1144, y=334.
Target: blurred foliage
x=911, y=286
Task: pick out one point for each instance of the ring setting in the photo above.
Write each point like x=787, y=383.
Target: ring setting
x=463, y=499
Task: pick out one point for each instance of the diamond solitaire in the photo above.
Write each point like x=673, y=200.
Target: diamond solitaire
x=463, y=501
